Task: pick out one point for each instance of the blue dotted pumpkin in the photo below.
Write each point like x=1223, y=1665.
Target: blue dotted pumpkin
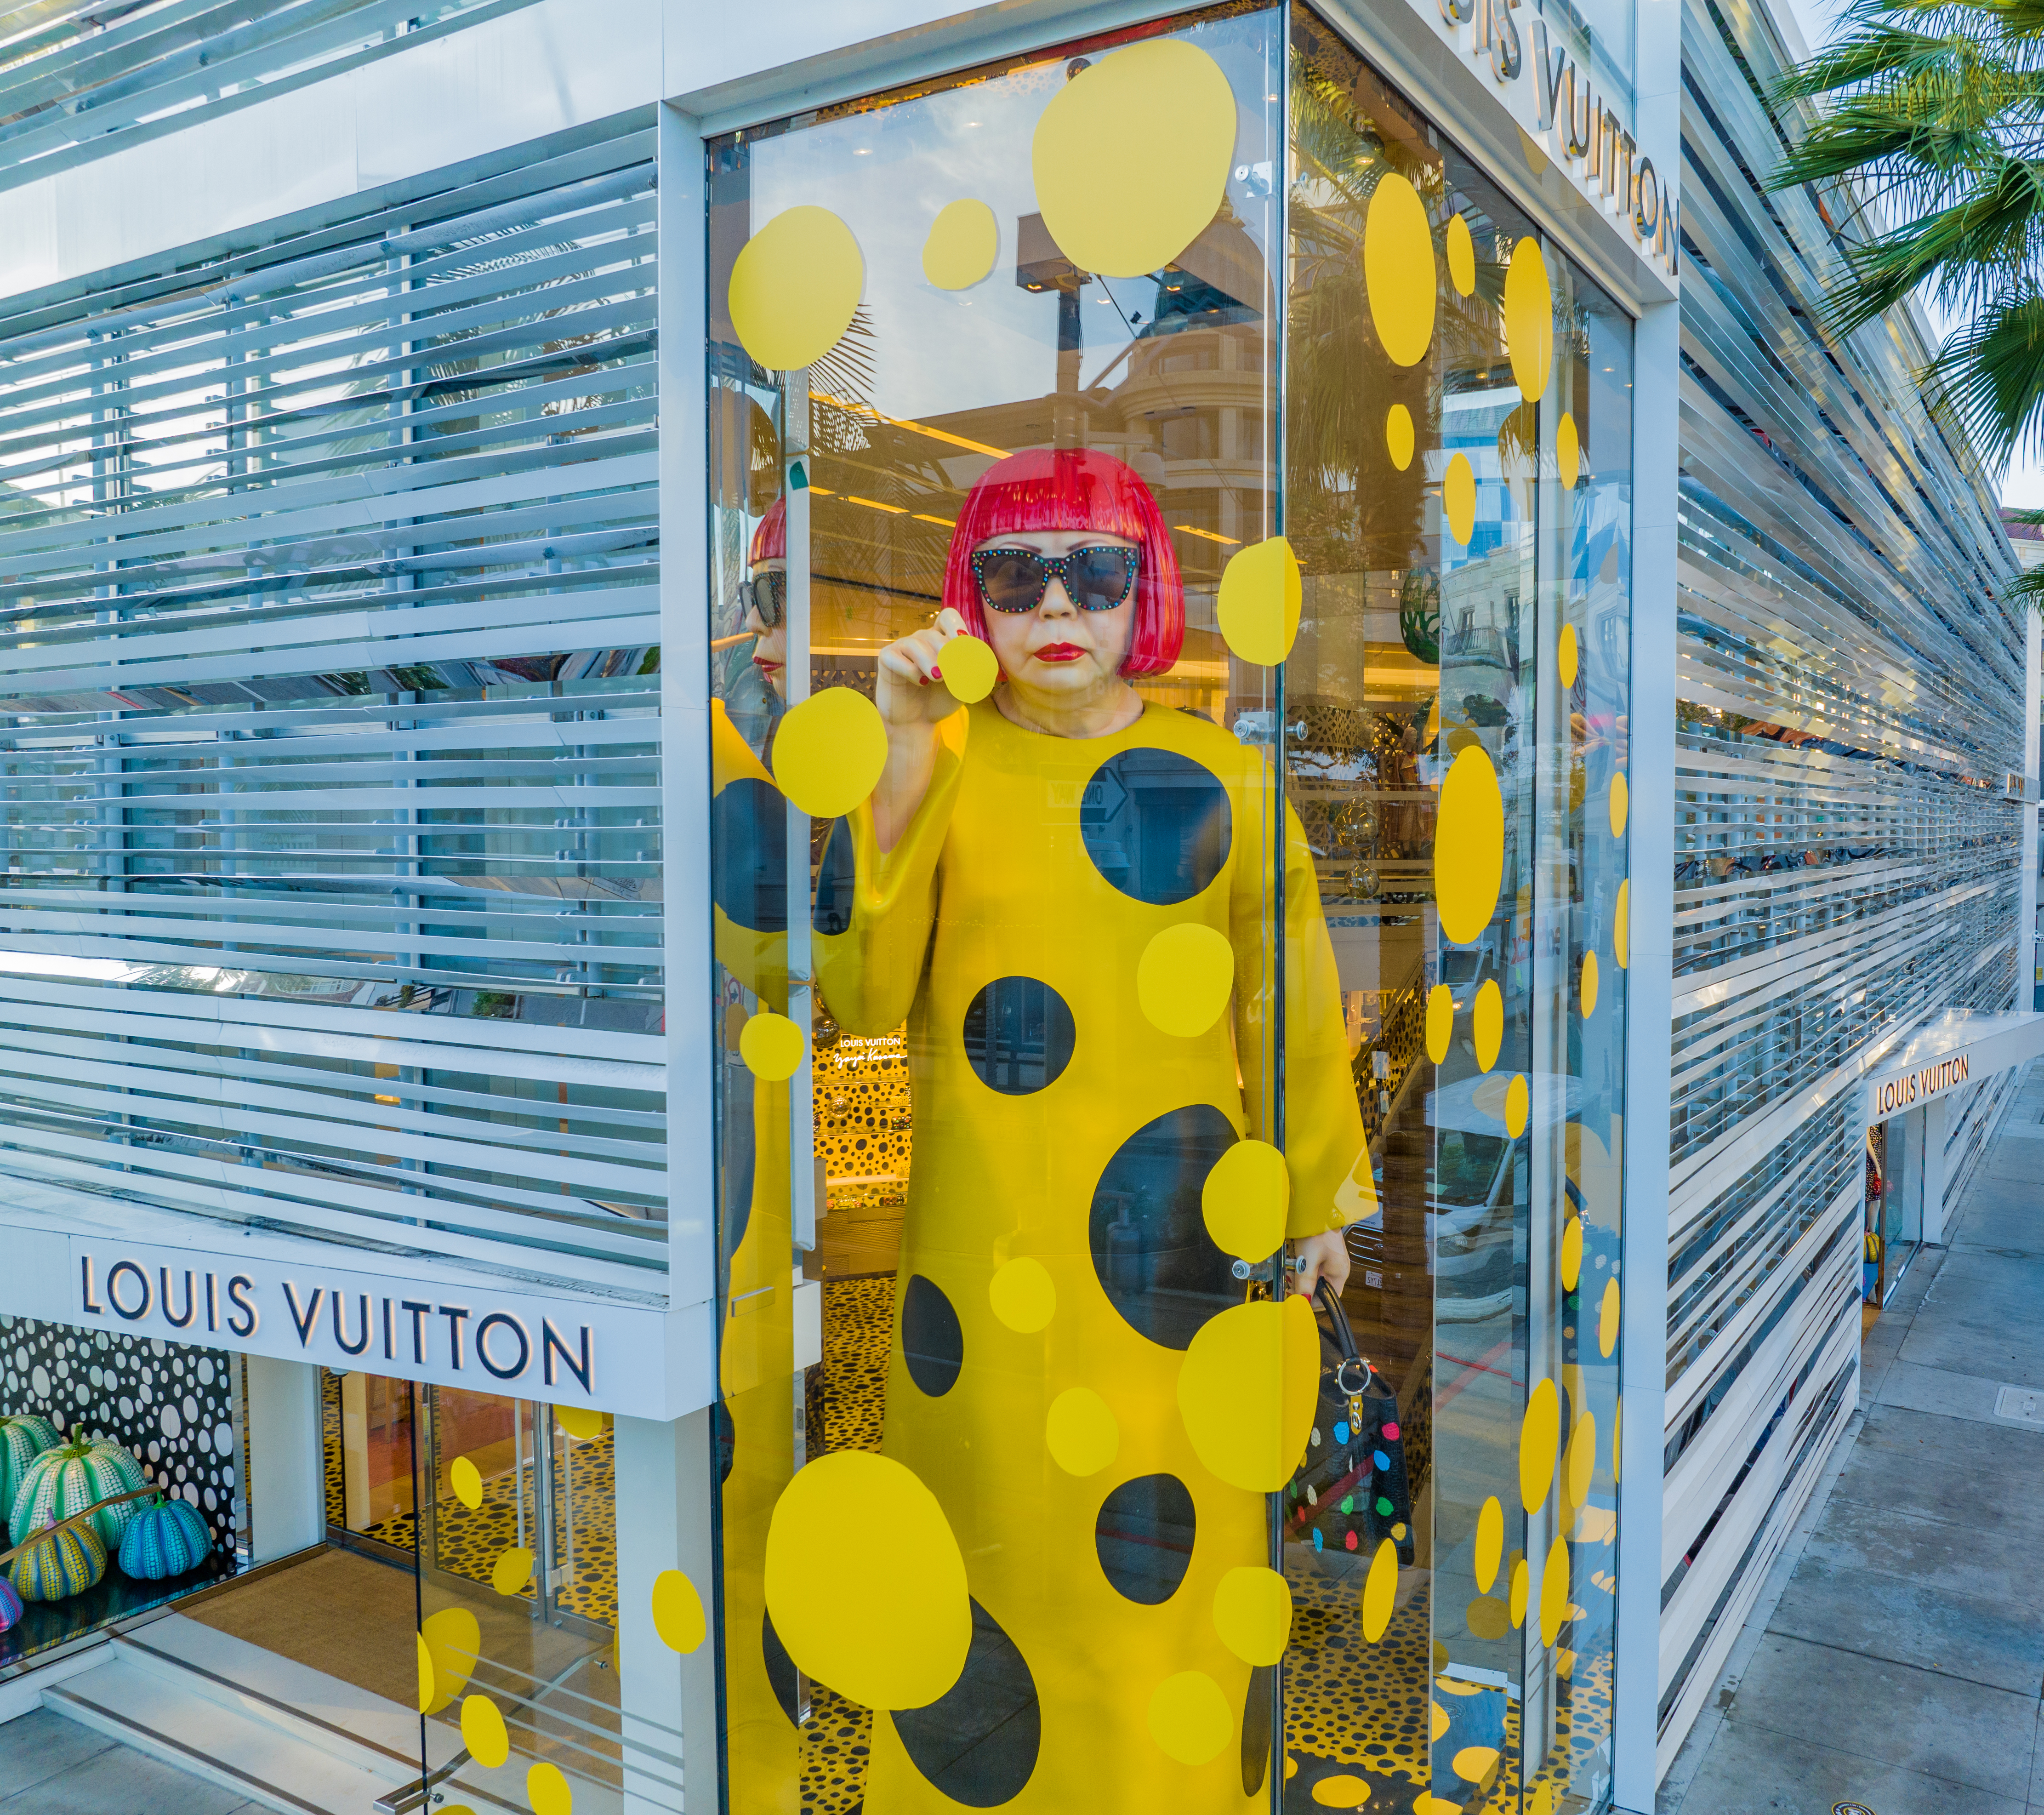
x=167, y=1537
x=10, y=1606
x=59, y=1564
x=69, y=1479
x=23, y=1438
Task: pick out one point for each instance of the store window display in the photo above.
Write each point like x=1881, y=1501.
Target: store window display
x=1195, y=946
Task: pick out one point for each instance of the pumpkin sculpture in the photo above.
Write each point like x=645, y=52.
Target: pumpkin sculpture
x=69, y=1479
x=62, y=1563
x=166, y=1537
x=22, y=1439
x=10, y=1606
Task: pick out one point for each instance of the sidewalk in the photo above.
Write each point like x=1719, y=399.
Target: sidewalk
x=1896, y=1657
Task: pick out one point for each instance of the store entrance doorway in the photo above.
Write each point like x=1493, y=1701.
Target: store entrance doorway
x=1892, y=1226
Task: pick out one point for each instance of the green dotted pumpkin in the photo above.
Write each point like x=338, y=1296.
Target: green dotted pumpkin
x=69, y=1479
x=23, y=1437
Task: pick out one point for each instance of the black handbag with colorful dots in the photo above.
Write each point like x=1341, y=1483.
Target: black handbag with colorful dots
x=1351, y=1492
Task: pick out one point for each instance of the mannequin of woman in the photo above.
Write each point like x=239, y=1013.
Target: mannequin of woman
x=1011, y=868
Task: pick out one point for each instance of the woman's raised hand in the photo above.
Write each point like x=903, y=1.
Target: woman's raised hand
x=910, y=690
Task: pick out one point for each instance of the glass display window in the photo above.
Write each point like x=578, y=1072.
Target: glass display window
x=1170, y=599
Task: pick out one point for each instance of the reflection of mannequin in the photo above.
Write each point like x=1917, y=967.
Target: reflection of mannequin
x=1056, y=1123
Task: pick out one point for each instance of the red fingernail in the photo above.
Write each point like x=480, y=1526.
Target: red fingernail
x=937, y=674
x=922, y=680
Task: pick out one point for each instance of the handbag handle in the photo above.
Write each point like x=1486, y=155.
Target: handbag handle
x=1353, y=1375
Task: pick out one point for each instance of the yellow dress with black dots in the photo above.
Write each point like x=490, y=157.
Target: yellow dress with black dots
x=1055, y=1124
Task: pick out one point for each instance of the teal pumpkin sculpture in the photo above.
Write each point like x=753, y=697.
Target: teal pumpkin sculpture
x=167, y=1537
x=22, y=1439
x=59, y=1564
x=69, y=1479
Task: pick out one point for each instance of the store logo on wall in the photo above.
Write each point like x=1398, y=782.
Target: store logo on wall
x=1893, y=1093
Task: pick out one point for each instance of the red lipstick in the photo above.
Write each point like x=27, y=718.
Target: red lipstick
x=1059, y=652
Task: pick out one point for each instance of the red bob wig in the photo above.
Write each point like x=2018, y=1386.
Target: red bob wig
x=1074, y=488
x=770, y=541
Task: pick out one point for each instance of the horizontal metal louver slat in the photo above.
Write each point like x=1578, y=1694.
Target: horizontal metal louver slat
x=329, y=736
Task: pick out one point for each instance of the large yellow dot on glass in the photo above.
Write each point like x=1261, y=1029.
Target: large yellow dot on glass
x=548, y=1790
x=1131, y=158
x=1380, y=1587
x=865, y=1583
x=512, y=1570
x=453, y=1638
x=1437, y=1719
x=1580, y=1464
x=1590, y=984
x=1521, y=1583
x=1260, y=595
x=1189, y=1718
x=963, y=243
x=1427, y=1803
x=1487, y=1023
x=1081, y=1431
x=1022, y=1294
x=970, y=668
x=1252, y=1612
x=1568, y=452
x=1183, y=979
x=1486, y=1617
x=1607, y=1318
x=1474, y=1764
x=1440, y=1021
x=771, y=1046
x=1539, y=1438
x=1489, y=1548
x=1398, y=437
x=1518, y=1104
x=482, y=1732
x=583, y=1423
x=1341, y=1791
x=1462, y=255
x=1246, y=1199
x=678, y=1612
x=794, y=286
x=1529, y=319
x=829, y=752
x=1398, y=268
x=1246, y=1391
x=425, y=1673
x=466, y=1482
x=1567, y=655
x=1458, y=498
x=1468, y=847
x=1572, y=1253
x=1554, y=1591
x=1621, y=925
x=1621, y=803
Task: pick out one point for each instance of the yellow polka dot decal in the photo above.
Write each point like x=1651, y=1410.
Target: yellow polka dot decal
x=1590, y=984
x=1621, y=925
x=1459, y=498
x=1189, y=1718
x=1081, y=1431
x=1529, y=319
x=1621, y=804
x=1488, y=1024
x=971, y=668
x=482, y=1732
x=1540, y=1437
x=1183, y=979
x=1489, y=1543
x=1485, y=1617
x=1246, y=1199
x=1581, y=1463
x=1398, y=437
x=1568, y=452
x=1341, y=1791
x=548, y=1790
x=1438, y=1721
x=512, y=1570
x=1572, y=1253
x=453, y=1640
x=1474, y=1764
x=1131, y=158
x=964, y=241
x=466, y=1481
x=1543, y=1800
x=1607, y=1318
x=864, y=1582
x=1380, y=1589
x=584, y=1423
x=1398, y=268
x=1468, y=847
x=1567, y=655
x=771, y=1046
x=1024, y=1295
x=1440, y=1021
x=1252, y=1612
x=1554, y=1591
x=1427, y=1803
x=678, y=1612
x=1260, y=594
x=1521, y=1580
x=1462, y=255
x=425, y=1673
x=794, y=286
x=829, y=752
x=1518, y=1106
x=1246, y=1390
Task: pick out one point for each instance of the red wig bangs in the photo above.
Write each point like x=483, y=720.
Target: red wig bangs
x=1075, y=488
x=770, y=541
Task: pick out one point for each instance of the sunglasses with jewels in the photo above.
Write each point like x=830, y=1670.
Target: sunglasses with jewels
x=1012, y=580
